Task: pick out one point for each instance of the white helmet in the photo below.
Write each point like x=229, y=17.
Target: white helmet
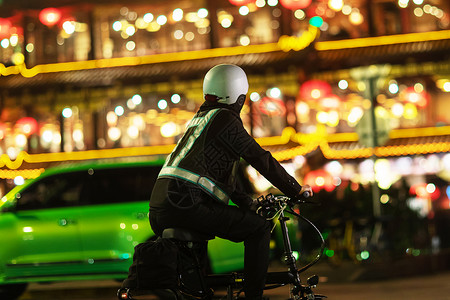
x=226, y=82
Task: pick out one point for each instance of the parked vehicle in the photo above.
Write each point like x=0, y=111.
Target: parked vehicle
x=82, y=222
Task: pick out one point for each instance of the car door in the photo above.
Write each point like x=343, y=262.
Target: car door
x=45, y=221
x=115, y=216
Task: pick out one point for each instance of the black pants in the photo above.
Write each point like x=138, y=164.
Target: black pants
x=208, y=216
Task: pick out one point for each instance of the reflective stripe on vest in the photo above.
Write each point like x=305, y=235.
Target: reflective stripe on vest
x=200, y=124
x=203, y=182
x=171, y=169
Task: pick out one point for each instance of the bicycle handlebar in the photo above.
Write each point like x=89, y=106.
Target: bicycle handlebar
x=271, y=204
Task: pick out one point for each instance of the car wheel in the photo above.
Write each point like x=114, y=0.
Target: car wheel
x=12, y=291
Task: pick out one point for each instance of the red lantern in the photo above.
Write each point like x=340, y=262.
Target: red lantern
x=315, y=89
x=5, y=26
x=420, y=99
x=319, y=180
x=27, y=125
x=50, y=16
x=295, y=4
x=241, y=2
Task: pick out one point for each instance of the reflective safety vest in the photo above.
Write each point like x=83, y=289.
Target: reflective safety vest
x=186, y=163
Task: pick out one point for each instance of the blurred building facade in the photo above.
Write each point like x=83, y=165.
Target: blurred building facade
x=96, y=79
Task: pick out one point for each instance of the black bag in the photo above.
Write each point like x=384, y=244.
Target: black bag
x=154, y=266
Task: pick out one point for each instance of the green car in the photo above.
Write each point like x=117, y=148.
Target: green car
x=81, y=222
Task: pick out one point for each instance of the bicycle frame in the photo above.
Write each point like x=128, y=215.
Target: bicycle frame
x=275, y=206
x=299, y=290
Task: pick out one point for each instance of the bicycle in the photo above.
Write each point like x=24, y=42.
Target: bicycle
x=194, y=285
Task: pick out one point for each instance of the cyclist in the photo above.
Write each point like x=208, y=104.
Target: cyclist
x=198, y=178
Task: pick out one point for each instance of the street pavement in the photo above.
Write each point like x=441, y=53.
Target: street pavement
x=348, y=281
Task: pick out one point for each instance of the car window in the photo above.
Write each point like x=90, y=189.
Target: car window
x=120, y=185
x=62, y=190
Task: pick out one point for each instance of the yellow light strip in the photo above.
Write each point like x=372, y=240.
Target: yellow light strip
x=383, y=40
x=298, y=43
x=417, y=132
x=342, y=137
x=293, y=152
x=82, y=155
x=345, y=154
x=364, y=152
x=26, y=174
x=286, y=136
x=135, y=61
x=289, y=134
x=412, y=149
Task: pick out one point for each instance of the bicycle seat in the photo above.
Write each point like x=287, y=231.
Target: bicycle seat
x=186, y=235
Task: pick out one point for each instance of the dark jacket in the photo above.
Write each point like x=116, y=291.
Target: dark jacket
x=212, y=147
